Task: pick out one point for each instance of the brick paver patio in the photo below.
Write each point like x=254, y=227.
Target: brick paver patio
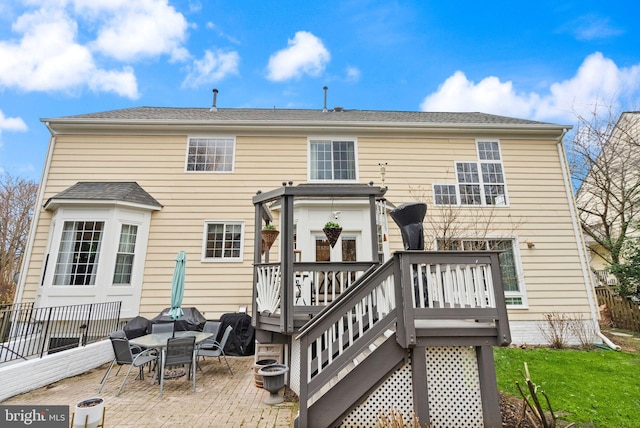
x=220, y=400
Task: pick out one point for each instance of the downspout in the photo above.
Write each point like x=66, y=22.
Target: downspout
x=581, y=243
x=36, y=217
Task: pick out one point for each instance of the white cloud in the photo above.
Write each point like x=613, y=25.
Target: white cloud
x=47, y=58
x=597, y=81
x=214, y=66
x=353, y=74
x=14, y=124
x=592, y=27
x=306, y=54
x=131, y=30
x=490, y=95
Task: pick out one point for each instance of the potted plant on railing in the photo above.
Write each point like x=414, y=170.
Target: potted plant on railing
x=269, y=235
x=332, y=231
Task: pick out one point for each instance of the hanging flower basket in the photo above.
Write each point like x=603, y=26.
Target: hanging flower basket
x=269, y=236
x=332, y=231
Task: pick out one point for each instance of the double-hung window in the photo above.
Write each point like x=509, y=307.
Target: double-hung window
x=478, y=182
x=223, y=241
x=124, y=256
x=210, y=154
x=332, y=160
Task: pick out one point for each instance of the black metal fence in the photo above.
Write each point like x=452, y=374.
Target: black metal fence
x=27, y=331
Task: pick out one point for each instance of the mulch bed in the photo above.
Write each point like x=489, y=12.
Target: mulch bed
x=511, y=409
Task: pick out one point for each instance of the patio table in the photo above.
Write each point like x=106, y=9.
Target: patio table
x=159, y=341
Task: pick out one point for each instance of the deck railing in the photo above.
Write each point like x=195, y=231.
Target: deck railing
x=26, y=331
x=311, y=287
x=459, y=291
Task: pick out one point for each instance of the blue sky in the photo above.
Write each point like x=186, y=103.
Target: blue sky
x=544, y=60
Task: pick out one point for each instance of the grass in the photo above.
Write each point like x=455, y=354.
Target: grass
x=596, y=388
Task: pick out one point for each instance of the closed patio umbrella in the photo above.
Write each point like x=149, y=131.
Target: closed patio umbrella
x=177, y=286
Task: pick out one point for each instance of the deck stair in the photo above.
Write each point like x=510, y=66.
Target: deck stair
x=376, y=329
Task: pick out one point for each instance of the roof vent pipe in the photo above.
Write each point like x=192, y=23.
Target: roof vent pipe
x=324, y=109
x=215, y=99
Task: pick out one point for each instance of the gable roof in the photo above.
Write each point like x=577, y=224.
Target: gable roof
x=294, y=115
x=128, y=193
x=297, y=117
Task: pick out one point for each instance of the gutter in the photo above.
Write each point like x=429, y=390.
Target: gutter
x=36, y=218
x=586, y=273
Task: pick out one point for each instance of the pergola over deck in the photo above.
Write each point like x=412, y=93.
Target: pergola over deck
x=420, y=312
x=284, y=317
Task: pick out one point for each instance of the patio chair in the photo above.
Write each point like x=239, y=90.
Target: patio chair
x=135, y=349
x=216, y=349
x=165, y=327
x=124, y=356
x=210, y=343
x=180, y=351
x=210, y=327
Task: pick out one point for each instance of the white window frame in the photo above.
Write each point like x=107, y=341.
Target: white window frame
x=480, y=179
x=103, y=290
x=223, y=259
x=62, y=269
x=311, y=140
x=436, y=193
x=132, y=254
x=210, y=137
x=517, y=259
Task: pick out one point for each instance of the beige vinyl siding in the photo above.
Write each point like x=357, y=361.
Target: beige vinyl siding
x=538, y=210
x=189, y=199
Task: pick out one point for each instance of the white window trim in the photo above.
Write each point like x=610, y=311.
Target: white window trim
x=332, y=138
x=522, y=294
x=233, y=157
x=455, y=188
x=488, y=140
x=135, y=271
x=103, y=290
x=203, y=253
x=478, y=162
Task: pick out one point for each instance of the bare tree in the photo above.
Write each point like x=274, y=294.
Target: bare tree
x=449, y=223
x=17, y=199
x=604, y=157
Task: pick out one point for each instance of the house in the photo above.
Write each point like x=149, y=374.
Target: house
x=123, y=191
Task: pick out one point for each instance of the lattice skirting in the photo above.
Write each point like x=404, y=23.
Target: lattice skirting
x=294, y=372
x=453, y=385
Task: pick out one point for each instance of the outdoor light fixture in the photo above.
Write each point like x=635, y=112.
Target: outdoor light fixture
x=531, y=245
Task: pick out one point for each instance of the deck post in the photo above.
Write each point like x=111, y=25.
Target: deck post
x=374, y=227
x=257, y=256
x=420, y=386
x=488, y=387
x=407, y=312
x=303, y=413
x=286, y=275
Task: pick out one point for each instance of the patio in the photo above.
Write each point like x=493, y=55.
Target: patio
x=220, y=399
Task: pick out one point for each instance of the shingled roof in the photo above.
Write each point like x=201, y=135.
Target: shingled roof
x=126, y=192
x=251, y=115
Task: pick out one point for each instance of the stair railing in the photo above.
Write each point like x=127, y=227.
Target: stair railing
x=343, y=330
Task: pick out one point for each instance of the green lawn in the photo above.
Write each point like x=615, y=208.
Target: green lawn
x=598, y=388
